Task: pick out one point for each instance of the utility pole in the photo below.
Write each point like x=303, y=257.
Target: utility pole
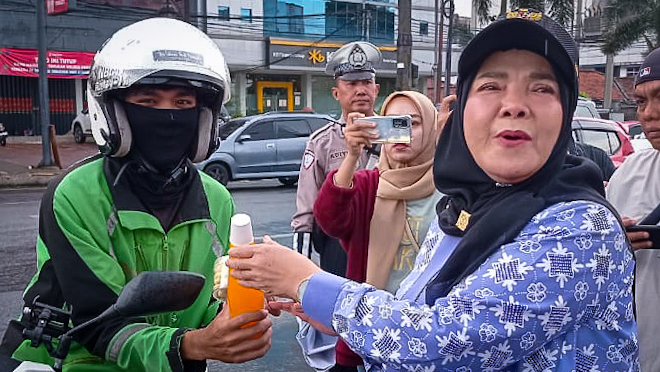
x=609, y=81
x=578, y=25
x=448, y=51
x=404, y=47
x=44, y=111
x=186, y=11
x=437, y=60
x=201, y=15
x=503, y=6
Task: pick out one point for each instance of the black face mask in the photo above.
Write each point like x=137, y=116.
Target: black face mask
x=163, y=138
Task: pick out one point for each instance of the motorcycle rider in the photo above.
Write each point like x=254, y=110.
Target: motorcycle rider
x=155, y=93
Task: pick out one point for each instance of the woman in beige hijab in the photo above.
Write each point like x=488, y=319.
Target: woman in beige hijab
x=381, y=215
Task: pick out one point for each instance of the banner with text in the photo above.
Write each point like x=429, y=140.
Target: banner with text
x=62, y=65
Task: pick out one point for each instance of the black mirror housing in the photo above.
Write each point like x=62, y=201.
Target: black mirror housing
x=159, y=291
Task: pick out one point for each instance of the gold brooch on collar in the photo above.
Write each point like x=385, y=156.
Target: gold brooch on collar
x=463, y=220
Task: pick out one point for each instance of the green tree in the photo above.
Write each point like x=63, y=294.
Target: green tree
x=562, y=11
x=632, y=20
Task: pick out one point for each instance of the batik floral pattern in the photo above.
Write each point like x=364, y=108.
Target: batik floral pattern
x=557, y=298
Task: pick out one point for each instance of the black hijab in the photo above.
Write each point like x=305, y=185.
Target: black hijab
x=499, y=212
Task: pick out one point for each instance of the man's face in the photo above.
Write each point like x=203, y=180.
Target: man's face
x=647, y=96
x=356, y=95
x=162, y=98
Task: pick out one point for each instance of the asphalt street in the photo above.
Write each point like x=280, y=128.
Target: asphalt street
x=268, y=203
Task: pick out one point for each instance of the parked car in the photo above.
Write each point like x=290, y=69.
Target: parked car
x=633, y=128
x=639, y=142
x=263, y=146
x=586, y=109
x=604, y=134
x=81, y=126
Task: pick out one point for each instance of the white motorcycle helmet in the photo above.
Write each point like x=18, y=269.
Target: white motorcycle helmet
x=156, y=51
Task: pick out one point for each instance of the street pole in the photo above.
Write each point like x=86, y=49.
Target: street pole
x=438, y=41
x=43, y=84
x=578, y=25
x=404, y=47
x=436, y=94
x=609, y=81
x=186, y=11
x=448, y=51
x=201, y=15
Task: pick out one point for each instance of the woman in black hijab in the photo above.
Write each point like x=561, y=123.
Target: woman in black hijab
x=527, y=267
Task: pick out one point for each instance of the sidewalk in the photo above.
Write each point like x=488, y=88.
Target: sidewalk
x=19, y=159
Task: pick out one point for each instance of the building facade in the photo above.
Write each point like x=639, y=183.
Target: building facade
x=72, y=39
x=277, y=50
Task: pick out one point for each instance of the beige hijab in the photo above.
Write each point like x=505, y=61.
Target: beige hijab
x=395, y=186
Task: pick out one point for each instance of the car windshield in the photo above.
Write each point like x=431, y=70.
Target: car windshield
x=583, y=111
x=230, y=127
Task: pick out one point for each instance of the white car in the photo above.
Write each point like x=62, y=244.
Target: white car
x=81, y=126
x=639, y=142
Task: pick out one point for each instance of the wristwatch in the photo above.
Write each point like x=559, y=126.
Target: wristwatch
x=301, y=290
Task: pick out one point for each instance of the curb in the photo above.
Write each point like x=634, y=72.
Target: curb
x=40, y=177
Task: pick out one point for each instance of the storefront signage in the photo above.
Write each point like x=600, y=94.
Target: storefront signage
x=316, y=56
x=289, y=53
x=63, y=65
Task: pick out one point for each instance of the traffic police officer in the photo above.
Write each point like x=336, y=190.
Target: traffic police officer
x=354, y=69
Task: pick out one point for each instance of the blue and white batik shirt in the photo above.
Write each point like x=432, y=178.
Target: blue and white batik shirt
x=557, y=298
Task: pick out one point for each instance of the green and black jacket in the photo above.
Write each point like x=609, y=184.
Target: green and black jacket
x=94, y=238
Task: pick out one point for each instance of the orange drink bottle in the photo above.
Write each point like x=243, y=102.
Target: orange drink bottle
x=242, y=300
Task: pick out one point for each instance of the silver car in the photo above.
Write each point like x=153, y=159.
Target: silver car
x=263, y=146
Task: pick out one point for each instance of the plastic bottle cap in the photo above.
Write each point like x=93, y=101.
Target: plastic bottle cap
x=241, y=230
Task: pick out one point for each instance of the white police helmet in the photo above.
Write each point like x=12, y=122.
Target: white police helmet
x=156, y=51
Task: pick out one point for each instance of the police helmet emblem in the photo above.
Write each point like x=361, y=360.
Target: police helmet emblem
x=358, y=57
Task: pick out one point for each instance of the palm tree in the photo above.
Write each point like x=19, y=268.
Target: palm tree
x=633, y=20
x=561, y=10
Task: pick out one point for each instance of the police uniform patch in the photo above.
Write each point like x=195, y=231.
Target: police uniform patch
x=308, y=159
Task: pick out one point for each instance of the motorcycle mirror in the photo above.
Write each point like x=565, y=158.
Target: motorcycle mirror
x=150, y=292
x=157, y=292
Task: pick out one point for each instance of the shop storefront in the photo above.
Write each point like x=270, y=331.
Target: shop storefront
x=294, y=78
x=19, y=92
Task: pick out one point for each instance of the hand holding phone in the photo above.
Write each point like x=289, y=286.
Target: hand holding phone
x=639, y=241
x=390, y=129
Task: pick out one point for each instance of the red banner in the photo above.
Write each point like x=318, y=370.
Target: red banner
x=57, y=6
x=62, y=65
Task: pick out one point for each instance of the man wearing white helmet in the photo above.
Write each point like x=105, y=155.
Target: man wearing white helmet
x=155, y=93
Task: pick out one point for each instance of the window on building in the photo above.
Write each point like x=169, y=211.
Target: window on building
x=344, y=20
x=223, y=13
x=294, y=14
x=632, y=71
x=246, y=15
x=381, y=24
x=424, y=28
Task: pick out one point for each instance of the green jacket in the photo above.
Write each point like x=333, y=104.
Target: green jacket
x=94, y=238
